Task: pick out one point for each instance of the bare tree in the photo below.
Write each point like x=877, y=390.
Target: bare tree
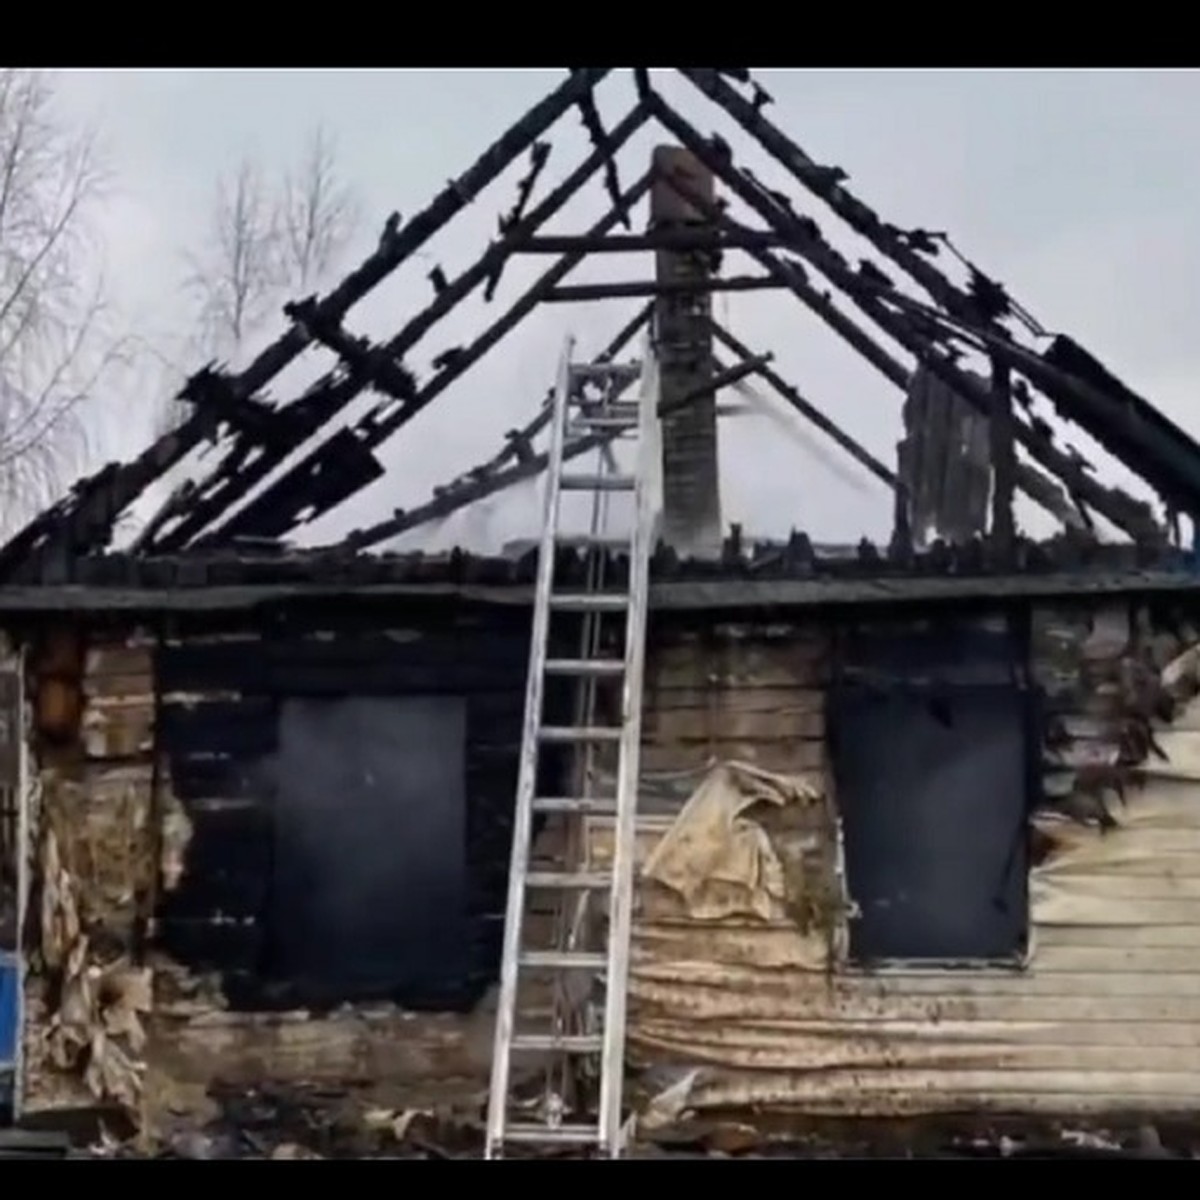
x=267, y=238
x=51, y=289
x=240, y=274
x=319, y=215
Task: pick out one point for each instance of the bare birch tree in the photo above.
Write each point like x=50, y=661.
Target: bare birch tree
x=318, y=215
x=267, y=238
x=53, y=351
x=241, y=272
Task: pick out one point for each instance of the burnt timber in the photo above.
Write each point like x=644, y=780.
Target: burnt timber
x=204, y=680
x=261, y=432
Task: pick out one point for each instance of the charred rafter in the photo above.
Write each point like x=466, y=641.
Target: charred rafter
x=812, y=414
x=224, y=486
x=661, y=239
x=539, y=156
x=1126, y=425
x=651, y=287
x=85, y=519
x=279, y=508
x=485, y=481
x=1124, y=512
x=599, y=139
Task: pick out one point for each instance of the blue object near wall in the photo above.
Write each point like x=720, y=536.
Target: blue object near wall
x=8, y=1010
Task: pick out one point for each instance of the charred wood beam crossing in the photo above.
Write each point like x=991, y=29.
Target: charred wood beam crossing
x=1161, y=452
x=806, y=240
x=655, y=240
x=263, y=433
x=225, y=486
x=278, y=509
x=85, y=519
x=672, y=287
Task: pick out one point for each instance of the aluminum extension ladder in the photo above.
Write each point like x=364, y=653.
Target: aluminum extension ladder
x=574, y=414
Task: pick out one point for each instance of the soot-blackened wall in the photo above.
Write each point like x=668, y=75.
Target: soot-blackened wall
x=932, y=757
x=350, y=794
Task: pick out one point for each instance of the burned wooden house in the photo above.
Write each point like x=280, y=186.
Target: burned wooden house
x=913, y=826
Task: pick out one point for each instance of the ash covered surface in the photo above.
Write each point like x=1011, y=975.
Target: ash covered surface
x=288, y=1123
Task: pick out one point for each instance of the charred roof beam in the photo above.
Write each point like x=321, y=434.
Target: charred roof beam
x=807, y=410
x=1041, y=488
x=275, y=510
x=84, y=520
x=625, y=290
x=662, y=239
x=483, y=481
x=1122, y=510
x=1126, y=425
x=331, y=395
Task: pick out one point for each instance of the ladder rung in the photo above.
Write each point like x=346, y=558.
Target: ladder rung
x=583, y=805
x=614, y=541
x=602, y=370
x=566, y=1043
x=584, y=880
x=581, y=1135
x=630, y=409
x=597, y=483
x=589, y=601
x=585, y=666
x=608, y=422
x=580, y=733
x=573, y=960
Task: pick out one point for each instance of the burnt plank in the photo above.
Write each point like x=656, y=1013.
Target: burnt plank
x=221, y=945
x=217, y=891
x=230, y=839
x=198, y=777
x=424, y=661
x=246, y=726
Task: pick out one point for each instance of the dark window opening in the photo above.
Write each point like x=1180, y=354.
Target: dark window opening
x=368, y=887
x=932, y=781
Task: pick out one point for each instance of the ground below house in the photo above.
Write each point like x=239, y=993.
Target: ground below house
x=322, y=1121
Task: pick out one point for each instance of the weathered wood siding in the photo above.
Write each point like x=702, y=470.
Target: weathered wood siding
x=730, y=691
x=169, y=867
x=1105, y=1017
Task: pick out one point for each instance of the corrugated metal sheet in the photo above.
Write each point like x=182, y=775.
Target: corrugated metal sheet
x=1103, y=1017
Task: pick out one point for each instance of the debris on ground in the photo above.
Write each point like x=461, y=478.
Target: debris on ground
x=291, y=1122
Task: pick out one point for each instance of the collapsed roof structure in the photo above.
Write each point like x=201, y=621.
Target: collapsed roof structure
x=251, y=493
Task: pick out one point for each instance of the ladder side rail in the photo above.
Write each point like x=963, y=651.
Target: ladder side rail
x=647, y=501
x=527, y=773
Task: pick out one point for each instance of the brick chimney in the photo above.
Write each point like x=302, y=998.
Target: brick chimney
x=683, y=342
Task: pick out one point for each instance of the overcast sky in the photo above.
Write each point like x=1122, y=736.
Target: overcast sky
x=1079, y=190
